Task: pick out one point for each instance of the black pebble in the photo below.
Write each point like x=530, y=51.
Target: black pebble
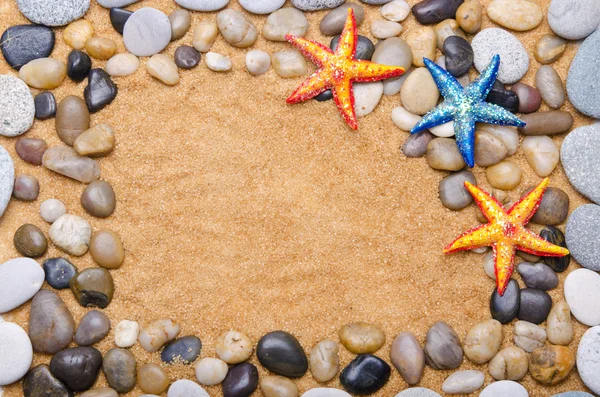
x=77, y=367
x=59, y=272
x=45, y=105
x=39, y=382
x=326, y=95
x=100, y=91
x=555, y=236
x=186, y=57
x=364, y=47
x=78, y=65
x=365, y=374
x=535, y=305
x=505, y=308
x=23, y=43
x=241, y=380
x=182, y=350
x=538, y=275
x=459, y=55
x=502, y=97
x=429, y=12
x=118, y=17
x=280, y=352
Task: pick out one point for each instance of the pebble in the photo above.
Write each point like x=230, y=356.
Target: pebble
x=93, y=287
x=529, y=336
x=217, y=62
x=550, y=86
x=77, y=33
x=151, y=378
x=180, y=23
x=583, y=75
x=559, y=326
x=285, y=21
x=550, y=365
x=535, y=305
x=417, y=392
x=489, y=149
x=488, y=259
x=147, y=31
x=258, y=62
x=459, y=55
x=549, y=48
x=58, y=272
x=21, y=44
x=500, y=96
x=118, y=18
x=30, y=241
x=453, y=193
x=541, y=154
x=202, y=5
x=577, y=155
x=367, y=97
x=119, y=367
x=408, y=357
x=404, y=119
x=505, y=308
x=553, y=210
x=515, y=15
x=43, y=73
x=421, y=82
x=186, y=57
x=234, y=347
x=211, y=371
x=100, y=91
x=366, y=374
x=582, y=236
x=324, y=360
x=483, y=341
x=443, y=154
x=94, y=326
x=325, y=392
x=364, y=47
x=77, y=367
x=508, y=135
x=97, y=141
x=72, y=119
x=316, y=5
x=17, y=107
x=422, y=42
x=394, y=52
x=514, y=57
x=416, y=144
x=236, y=29
x=163, y=68
x=123, y=64
x=26, y=188
x=261, y=6
x=51, y=325
x=53, y=12
x=573, y=19
x=79, y=65
x=468, y=16
x=31, y=150
x=538, y=276
x=100, y=48
x=529, y=97
x=115, y=3
x=7, y=175
x=442, y=347
x=98, y=199
x=241, y=380
x=361, y=337
x=582, y=293
x=511, y=363
x=205, y=34
x=504, y=175
x=45, y=105
x=395, y=10
x=186, y=388
x=445, y=29
x=588, y=363
x=289, y=63
x=281, y=353
x=182, y=350
x=573, y=394
x=16, y=353
x=429, y=12
x=333, y=22
x=547, y=123
x=504, y=388
x=71, y=234
x=463, y=382
x=21, y=279
x=100, y=392
x=40, y=382
x=278, y=386
x=157, y=334
x=126, y=333
x=383, y=29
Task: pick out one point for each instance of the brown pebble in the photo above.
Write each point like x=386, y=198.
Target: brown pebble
x=152, y=379
x=31, y=150
x=361, y=337
x=180, y=23
x=30, y=241
x=26, y=188
x=99, y=199
x=106, y=249
x=100, y=48
x=98, y=141
x=549, y=48
x=72, y=119
x=546, y=123
x=100, y=392
x=550, y=365
x=530, y=99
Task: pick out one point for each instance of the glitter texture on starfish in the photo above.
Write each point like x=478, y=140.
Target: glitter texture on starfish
x=506, y=232
x=338, y=70
x=466, y=106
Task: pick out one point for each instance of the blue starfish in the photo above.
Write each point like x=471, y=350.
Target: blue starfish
x=466, y=106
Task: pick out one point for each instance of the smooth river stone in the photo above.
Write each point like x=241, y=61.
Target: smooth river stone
x=93, y=286
x=45, y=105
x=582, y=292
x=126, y=333
x=541, y=154
x=529, y=97
x=285, y=21
x=316, y=5
x=241, y=380
x=77, y=367
x=119, y=367
x=588, y=359
x=546, y=123
x=94, y=326
x=118, y=18
x=202, y=5
x=40, y=382
x=505, y=308
x=23, y=43
x=16, y=353
x=21, y=279
x=59, y=272
x=582, y=81
x=453, y=193
x=515, y=15
x=71, y=234
x=17, y=108
x=559, y=327
x=583, y=236
x=53, y=12
x=463, y=382
x=442, y=347
x=504, y=388
x=157, y=334
x=511, y=363
x=261, y=6
x=115, y=3
x=79, y=65
x=100, y=91
x=333, y=22
x=393, y=52
x=434, y=11
x=535, y=305
x=573, y=19
x=361, y=337
x=550, y=365
x=325, y=392
x=182, y=350
x=578, y=155
x=278, y=386
x=550, y=86
x=147, y=31
x=280, y=352
x=417, y=392
x=364, y=47
x=549, y=48
x=408, y=357
x=483, y=341
x=51, y=325
x=529, y=336
x=30, y=150
x=366, y=374
x=72, y=119
x=514, y=60
x=236, y=29
x=211, y=371
x=556, y=237
x=538, y=275
x=324, y=360
x=65, y=161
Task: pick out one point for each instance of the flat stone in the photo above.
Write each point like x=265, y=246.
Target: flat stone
x=51, y=325
x=408, y=357
x=21, y=279
x=541, y=154
x=489, y=149
x=281, y=353
x=573, y=19
x=580, y=162
x=66, y=161
x=459, y=55
x=100, y=91
x=582, y=292
x=151, y=378
x=361, y=337
x=116, y=3
x=17, y=108
x=325, y=392
x=582, y=235
x=123, y=64
x=241, y=380
x=583, y=84
x=102, y=392
x=468, y=16
x=504, y=388
x=367, y=97
x=16, y=353
x=463, y=382
x=182, y=350
x=92, y=328
x=118, y=18
x=148, y=31
x=316, y=5
x=442, y=347
x=77, y=367
x=53, y=12
x=588, y=359
x=434, y=11
x=261, y=6
x=219, y=63
x=119, y=367
x=278, y=386
x=202, y=5
x=505, y=308
x=514, y=60
x=366, y=374
x=395, y=10
x=416, y=144
x=443, y=154
x=40, y=382
x=59, y=271
x=515, y=15
x=549, y=48
x=97, y=141
x=163, y=68
x=21, y=44
x=393, y=52
x=333, y=22
x=483, y=341
x=546, y=123
x=538, y=276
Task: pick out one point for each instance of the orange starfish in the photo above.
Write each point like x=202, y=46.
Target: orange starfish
x=338, y=70
x=506, y=232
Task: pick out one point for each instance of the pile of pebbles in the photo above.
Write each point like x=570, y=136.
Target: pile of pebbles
x=449, y=32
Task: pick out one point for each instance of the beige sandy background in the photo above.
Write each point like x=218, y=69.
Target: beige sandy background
x=239, y=211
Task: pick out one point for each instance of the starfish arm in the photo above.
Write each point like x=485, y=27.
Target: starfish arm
x=344, y=99
x=364, y=71
x=481, y=87
x=310, y=88
x=450, y=88
x=493, y=114
x=316, y=52
x=489, y=206
x=347, y=43
x=480, y=236
x=504, y=264
x=439, y=115
x=464, y=130
x=525, y=208
x=528, y=241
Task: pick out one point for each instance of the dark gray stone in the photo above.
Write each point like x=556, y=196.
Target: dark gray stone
x=182, y=350
x=241, y=380
x=280, y=352
x=79, y=65
x=120, y=369
x=502, y=97
x=39, y=382
x=21, y=44
x=535, y=305
x=45, y=105
x=59, y=272
x=453, y=193
x=416, y=144
x=366, y=374
x=538, y=276
x=77, y=367
x=364, y=47
x=100, y=91
x=556, y=237
x=118, y=18
x=186, y=57
x=429, y=12
x=94, y=326
x=506, y=307
x=459, y=55
x=442, y=347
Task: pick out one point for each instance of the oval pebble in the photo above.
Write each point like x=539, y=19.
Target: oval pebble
x=316, y=5
x=261, y=6
x=16, y=353
x=155, y=335
x=417, y=392
x=126, y=333
x=514, y=60
x=147, y=32
x=59, y=271
x=181, y=350
x=578, y=157
x=123, y=64
x=53, y=12
x=23, y=43
x=17, y=108
x=541, y=154
x=582, y=75
x=588, y=359
x=186, y=57
x=202, y=5
x=211, y=371
x=463, y=382
x=21, y=279
x=71, y=234
x=573, y=19
x=515, y=15
x=504, y=388
x=163, y=68
x=258, y=62
x=550, y=86
x=236, y=29
x=582, y=292
x=285, y=21
x=186, y=388
x=217, y=62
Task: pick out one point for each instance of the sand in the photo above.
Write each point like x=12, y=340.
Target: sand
x=238, y=211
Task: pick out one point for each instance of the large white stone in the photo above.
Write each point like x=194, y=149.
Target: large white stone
x=582, y=292
x=17, y=108
x=202, y=5
x=325, y=392
x=588, y=359
x=20, y=278
x=7, y=179
x=147, y=32
x=186, y=388
x=16, y=353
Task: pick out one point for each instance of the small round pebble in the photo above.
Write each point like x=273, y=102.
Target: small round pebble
x=94, y=326
x=366, y=374
x=559, y=326
x=147, y=32
x=123, y=64
x=163, y=68
x=550, y=86
x=506, y=307
x=79, y=65
x=241, y=380
x=205, y=34
x=453, y=193
x=51, y=324
x=395, y=10
x=186, y=57
x=549, y=48
x=93, y=287
x=26, y=188
x=77, y=367
x=258, y=62
x=44, y=73
x=417, y=392
x=541, y=154
x=538, y=275
x=489, y=149
x=529, y=336
x=72, y=119
x=45, y=105
x=236, y=29
x=151, y=378
x=535, y=305
x=211, y=371
x=217, y=62
x=126, y=333
x=421, y=82
x=278, y=386
x=333, y=22
x=325, y=392
x=180, y=23
x=40, y=382
x=100, y=48
x=52, y=209
x=59, y=271
x=443, y=154
x=281, y=353
x=289, y=63
x=511, y=363
x=17, y=108
x=72, y=234
x=463, y=382
x=530, y=99
x=30, y=241
x=483, y=341
x=514, y=58
x=31, y=150
x=504, y=175
x=423, y=43
x=98, y=199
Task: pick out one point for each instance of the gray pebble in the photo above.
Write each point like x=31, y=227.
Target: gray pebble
x=51, y=325
x=417, y=392
x=147, y=32
x=588, y=359
x=120, y=367
x=579, y=157
x=574, y=19
x=550, y=86
x=453, y=193
x=538, y=275
x=416, y=144
x=116, y=3
x=583, y=80
x=94, y=326
x=17, y=108
x=7, y=179
x=26, y=188
x=514, y=60
x=442, y=347
x=583, y=236
x=202, y=5
x=186, y=57
x=315, y=5
x=463, y=382
x=53, y=12
x=261, y=6
x=333, y=22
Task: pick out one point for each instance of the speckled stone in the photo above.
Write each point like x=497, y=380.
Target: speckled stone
x=579, y=159
x=325, y=392
x=116, y=3
x=315, y=5
x=583, y=79
x=58, y=272
x=182, y=350
x=416, y=392
x=281, y=353
x=582, y=236
x=573, y=19
x=53, y=12
x=23, y=43
x=17, y=108
x=588, y=359
x=514, y=60
x=120, y=369
x=7, y=179
x=147, y=31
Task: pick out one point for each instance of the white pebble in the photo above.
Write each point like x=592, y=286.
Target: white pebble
x=367, y=97
x=157, y=334
x=217, y=62
x=463, y=382
x=382, y=29
x=404, y=119
x=123, y=64
x=289, y=63
x=16, y=353
x=211, y=371
x=52, y=209
x=582, y=292
x=258, y=62
x=445, y=130
x=186, y=388
x=72, y=234
x=126, y=333
x=21, y=279
x=396, y=10
x=541, y=154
